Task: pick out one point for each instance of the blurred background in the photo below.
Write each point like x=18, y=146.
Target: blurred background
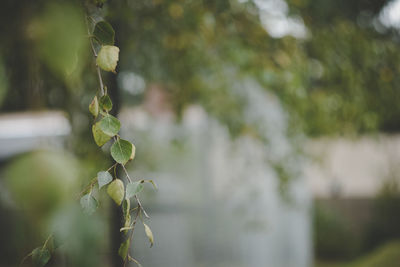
x=270, y=126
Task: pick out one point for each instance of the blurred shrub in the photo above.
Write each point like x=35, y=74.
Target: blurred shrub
x=387, y=255
x=43, y=188
x=385, y=220
x=59, y=35
x=333, y=239
x=41, y=182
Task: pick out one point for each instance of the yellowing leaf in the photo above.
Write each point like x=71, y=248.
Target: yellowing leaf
x=123, y=249
x=133, y=152
x=116, y=191
x=149, y=234
x=94, y=107
x=99, y=136
x=108, y=57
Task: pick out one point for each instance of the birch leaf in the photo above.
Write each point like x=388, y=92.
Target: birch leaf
x=108, y=57
x=116, y=191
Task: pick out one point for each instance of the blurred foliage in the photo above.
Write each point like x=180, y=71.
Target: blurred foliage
x=385, y=221
x=39, y=197
x=336, y=240
x=387, y=255
x=333, y=238
x=41, y=183
x=340, y=79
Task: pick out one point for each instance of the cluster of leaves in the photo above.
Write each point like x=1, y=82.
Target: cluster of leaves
x=104, y=129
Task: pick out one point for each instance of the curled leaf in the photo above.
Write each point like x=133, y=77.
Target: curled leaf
x=99, y=136
x=108, y=57
x=135, y=261
x=151, y=182
x=126, y=228
x=123, y=249
x=116, y=191
x=94, y=107
x=149, y=234
x=105, y=103
x=126, y=206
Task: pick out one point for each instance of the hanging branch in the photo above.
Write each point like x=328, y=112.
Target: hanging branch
x=104, y=129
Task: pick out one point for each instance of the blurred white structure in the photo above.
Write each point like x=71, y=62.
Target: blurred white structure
x=353, y=168
x=25, y=131
x=218, y=202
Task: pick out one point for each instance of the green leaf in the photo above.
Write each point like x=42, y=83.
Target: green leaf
x=103, y=178
x=105, y=103
x=133, y=152
x=121, y=151
x=40, y=256
x=149, y=234
x=123, y=249
x=110, y=125
x=89, y=204
x=116, y=191
x=94, y=107
x=108, y=57
x=104, y=33
x=133, y=188
x=99, y=136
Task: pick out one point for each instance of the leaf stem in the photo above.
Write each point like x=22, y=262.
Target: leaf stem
x=47, y=240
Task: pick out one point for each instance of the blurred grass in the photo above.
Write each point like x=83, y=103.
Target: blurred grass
x=387, y=255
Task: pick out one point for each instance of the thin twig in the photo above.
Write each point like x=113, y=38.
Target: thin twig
x=90, y=185
x=133, y=230
x=100, y=80
x=95, y=56
x=126, y=172
x=47, y=240
x=141, y=207
x=136, y=197
x=115, y=164
x=24, y=259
